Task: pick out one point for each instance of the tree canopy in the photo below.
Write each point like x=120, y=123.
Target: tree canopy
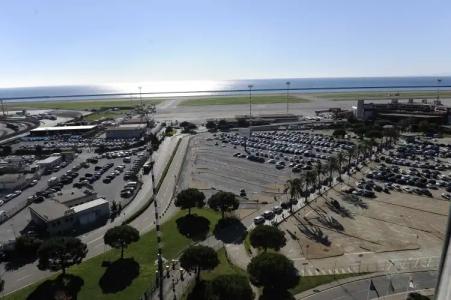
x=265, y=236
x=198, y=258
x=120, y=237
x=231, y=286
x=273, y=271
x=27, y=246
x=223, y=202
x=58, y=253
x=190, y=198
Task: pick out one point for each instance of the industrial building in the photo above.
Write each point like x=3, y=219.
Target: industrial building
x=394, y=111
x=74, y=197
x=62, y=130
x=56, y=218
x=49, y=162
x=126, y=131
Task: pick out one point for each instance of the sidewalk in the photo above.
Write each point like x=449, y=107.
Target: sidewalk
x=354, y=287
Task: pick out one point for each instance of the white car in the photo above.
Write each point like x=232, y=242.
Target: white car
x=447, y=196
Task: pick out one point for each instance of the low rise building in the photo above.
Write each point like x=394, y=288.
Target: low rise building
x=73, y=197
x=126, y=131
x=15, y=181
x=62, y=130
x=49, y=162
x=56, y=218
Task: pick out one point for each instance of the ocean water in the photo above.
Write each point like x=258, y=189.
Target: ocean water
x=224, y=87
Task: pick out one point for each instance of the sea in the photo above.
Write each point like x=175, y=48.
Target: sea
x=223, y=87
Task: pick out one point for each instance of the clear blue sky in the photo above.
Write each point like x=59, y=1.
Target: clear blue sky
x=102, y=41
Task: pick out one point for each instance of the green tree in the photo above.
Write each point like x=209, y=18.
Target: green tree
x=424, y=126
x=210, y=125
x=339, y=133
x=265, y=236
x=273, y=271
x=59, y=253
x=294, y=188
x=231, y=286
x=340, y=160
x=332, y=165
x=310, y=179
x=190, y=198
x=27, y=245
x=351, y=154
x=120, y=237
x=198, y=258
x=223, y=202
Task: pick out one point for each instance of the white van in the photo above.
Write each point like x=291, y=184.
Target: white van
x=132, y=184
x=3, y=215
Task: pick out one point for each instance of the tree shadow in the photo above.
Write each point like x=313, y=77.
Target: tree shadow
x=340, y=210
x=269, y=294
x=14, y=262
x=63, y=287
x=119, y=275
x=314, y=233
x=200, y=291
x=331, y=222
x=230, y=230
x=194, y=227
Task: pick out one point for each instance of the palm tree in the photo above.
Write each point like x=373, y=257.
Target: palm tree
x=310, y=179
x=293, y=187
x=351, y=154
x=332, y=166
x=319, y=170
x=340, y=160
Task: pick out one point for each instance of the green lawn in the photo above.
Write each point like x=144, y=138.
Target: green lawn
x=104, y=115
x=310, y=282
x=225, y=267
x=79, y=104
x=230, y=100
x=144, y=253
x=353, y=96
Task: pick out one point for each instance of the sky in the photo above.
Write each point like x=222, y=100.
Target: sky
x=55, y=42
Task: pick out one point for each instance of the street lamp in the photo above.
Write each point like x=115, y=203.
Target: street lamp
x=438, y=88
x=288, y=92
x=250, y=86
x=140, y=98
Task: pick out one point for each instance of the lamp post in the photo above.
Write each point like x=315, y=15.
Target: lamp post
x=157, y=226
x=288, y=92
x=438, y=88
x=140, y=98
x=250, y=86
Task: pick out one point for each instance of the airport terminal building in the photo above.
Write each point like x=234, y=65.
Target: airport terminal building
x=434, y=112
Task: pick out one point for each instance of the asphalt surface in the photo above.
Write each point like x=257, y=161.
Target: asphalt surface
x=360, y=289
x=28, y=274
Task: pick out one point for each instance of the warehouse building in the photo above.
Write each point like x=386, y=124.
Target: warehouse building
x=126, y=131
x=56, y=218
x=49, y=162
x=74, y=197
x=62, y=130
x=394, y=111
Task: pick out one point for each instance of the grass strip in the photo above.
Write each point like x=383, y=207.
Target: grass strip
x=143, y=252
x=234, y=100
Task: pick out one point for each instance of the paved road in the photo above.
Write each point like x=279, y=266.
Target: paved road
x=29, y=274
x=360, y=289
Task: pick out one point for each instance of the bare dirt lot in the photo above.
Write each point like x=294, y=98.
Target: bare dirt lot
x=374, y=234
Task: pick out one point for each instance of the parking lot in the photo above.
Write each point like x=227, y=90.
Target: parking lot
x=110, y=189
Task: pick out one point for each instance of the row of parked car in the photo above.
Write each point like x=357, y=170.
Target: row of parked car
x=276, y=210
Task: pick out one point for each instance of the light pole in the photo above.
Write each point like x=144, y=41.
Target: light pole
x=288, y=92
x=438, y=88
x=158, y=229
x=140, y=98
x=250, y=86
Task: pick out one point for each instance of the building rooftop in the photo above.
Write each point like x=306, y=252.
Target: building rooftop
x=69, y=195
x=48, y=160
x=50, y=210
x=62, y=128
x=88, y=205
